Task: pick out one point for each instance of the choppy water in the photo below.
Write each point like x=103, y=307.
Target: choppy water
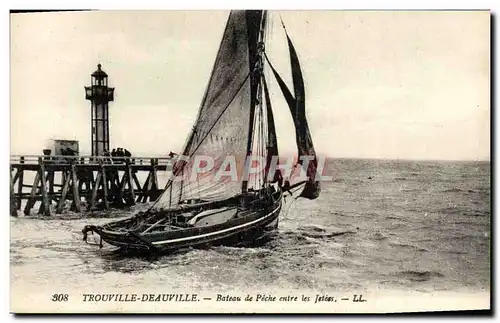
x=422, y=226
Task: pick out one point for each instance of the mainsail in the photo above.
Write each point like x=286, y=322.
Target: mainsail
x=222, y=127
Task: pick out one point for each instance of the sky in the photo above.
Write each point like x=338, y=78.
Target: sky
x=379, y=84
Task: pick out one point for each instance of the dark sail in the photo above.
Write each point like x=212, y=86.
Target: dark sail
x=222, y=126
x=297, y=106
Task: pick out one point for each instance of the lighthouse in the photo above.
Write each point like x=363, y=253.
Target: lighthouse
x=99, y=94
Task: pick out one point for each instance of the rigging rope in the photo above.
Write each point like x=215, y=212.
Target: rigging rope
x=289, y=206
x=292, y=203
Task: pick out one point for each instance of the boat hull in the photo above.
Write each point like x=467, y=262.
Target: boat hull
x=248, y=230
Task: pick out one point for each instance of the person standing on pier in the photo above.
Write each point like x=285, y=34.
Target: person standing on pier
x=119, y=153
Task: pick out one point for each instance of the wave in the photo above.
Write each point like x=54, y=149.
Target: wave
x=70, y=215
x=408, y=246
x=458, y=211
x=418, y=276
x=16, y=258
x=411, y=189
x=452, y=190
x=318, y=232
x=350, y=214
x=327, y=235
x=455, y=252
x=310, y=234
x=337, y=213
x=378, y=236
x=476, y=213
x=313, y=227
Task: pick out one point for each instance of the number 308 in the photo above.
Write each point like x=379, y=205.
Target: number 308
x=60, y=297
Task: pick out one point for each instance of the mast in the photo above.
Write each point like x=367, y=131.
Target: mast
x=263, y=131
x=255, y=42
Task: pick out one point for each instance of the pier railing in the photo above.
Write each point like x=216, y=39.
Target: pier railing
x=102, y=181
x=89, y=160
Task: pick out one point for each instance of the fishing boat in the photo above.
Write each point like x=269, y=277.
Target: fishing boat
x=229, y=204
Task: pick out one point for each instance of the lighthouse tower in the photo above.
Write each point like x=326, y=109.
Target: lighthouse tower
x=99, y=95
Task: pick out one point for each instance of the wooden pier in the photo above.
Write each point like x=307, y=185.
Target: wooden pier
x=102, y=182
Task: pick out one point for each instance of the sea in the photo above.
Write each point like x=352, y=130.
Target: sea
x=387, y=225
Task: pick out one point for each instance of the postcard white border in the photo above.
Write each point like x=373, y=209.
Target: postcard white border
x=187, y=4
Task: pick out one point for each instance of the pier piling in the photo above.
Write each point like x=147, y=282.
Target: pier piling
x=102, y=182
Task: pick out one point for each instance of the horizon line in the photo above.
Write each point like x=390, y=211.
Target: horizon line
x=430, y=159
